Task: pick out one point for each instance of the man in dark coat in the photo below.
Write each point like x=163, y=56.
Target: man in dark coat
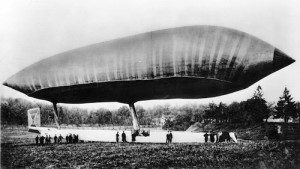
x=74, y=138
x=133, y=135
x=42, y=140
x=123, y=137
x=67, y=138
x=55, y=139
x=212, y=137
x=60, y=138
x=170, y=137
x=117, y=137
x=37, y=140
x=49, y=139
x=206, y=137
x=46, y=139
x=70, y=138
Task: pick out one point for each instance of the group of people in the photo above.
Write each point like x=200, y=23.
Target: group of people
x=133, y=137
x=42, y=140
x=72, y=139
x=169, y=137
x=211, y=136
x=123, y=137
x=136, y=133
x=220, y=137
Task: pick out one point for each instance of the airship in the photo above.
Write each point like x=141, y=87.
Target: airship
x=185, y=62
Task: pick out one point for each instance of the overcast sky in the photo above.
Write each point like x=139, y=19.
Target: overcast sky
x=32, y=30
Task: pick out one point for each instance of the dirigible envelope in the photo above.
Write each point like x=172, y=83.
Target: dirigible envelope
x=186, y=62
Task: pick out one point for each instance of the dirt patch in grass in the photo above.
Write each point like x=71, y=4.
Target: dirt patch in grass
x=16, y=136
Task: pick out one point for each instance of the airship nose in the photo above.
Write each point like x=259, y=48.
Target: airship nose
x=281, y=60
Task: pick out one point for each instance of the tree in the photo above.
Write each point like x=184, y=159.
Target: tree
x=286, y=107
x=107, y=117
x=168, y=125
x=255, y=109
x=245, y=115
x=124, y=116
x=181, y=122
x=260, y=108
x=222, y=113
x=298, y=111
x=271, y=108
x=258, y=94
x=234, y=112
x=199, y=113
x=210, y=113
x=141, y=115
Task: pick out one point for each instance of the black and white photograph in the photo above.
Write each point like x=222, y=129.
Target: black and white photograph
x=150, y=84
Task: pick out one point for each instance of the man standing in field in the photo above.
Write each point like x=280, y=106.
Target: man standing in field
x=37, y=140
x=42, y=140
x=170, y=137
x=67, y=138
x=46, y=139
x=49, y=139
x=133, y=135
x=76, y=138
x=55, y=139
x=206, y=137
x=117, y=137
x=70, y=138
x=60, y=138
x=123, y=137
x=212, y=137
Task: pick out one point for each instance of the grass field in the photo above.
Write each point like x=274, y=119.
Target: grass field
x=18, y=151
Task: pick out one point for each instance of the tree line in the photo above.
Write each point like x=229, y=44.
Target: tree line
x=254, y=110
